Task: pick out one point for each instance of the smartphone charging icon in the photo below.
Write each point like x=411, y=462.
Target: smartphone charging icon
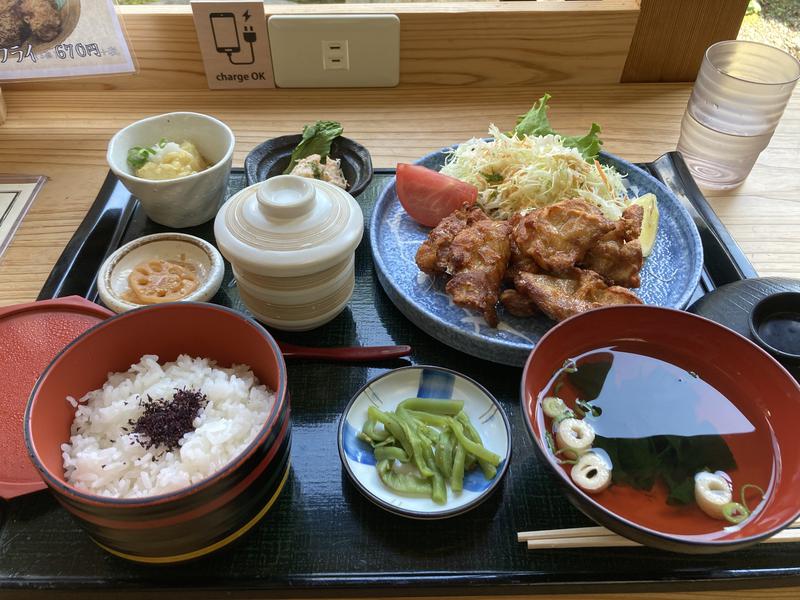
x=226, y=34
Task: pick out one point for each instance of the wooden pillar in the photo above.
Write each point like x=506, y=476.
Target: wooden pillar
x=672, y=35
x=3, y=112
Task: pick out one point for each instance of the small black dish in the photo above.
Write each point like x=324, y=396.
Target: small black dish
x=775, y=326
x=272, y=157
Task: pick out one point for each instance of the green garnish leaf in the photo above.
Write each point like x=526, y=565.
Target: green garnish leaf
x=588, y=145
x=137, y=156
x=162, y=142
x=535, y=122
x=317, y=139
x=492, y=177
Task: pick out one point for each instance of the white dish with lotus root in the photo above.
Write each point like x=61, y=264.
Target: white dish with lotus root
x=164, y=267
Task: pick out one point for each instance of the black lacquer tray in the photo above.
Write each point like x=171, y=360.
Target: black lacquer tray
x=322, y=536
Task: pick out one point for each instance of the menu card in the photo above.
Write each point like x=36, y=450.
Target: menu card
x=16, y=195
x=61, y=38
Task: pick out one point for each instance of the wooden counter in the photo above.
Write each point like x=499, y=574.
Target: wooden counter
x=63, y=135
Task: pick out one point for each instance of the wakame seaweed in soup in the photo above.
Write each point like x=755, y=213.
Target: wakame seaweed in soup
x=649, y=427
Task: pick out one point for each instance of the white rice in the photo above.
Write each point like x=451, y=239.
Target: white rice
x=103, y=459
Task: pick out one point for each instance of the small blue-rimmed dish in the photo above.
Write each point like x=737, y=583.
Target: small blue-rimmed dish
x=386, y=392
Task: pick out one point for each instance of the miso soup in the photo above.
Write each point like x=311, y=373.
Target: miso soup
x=657, y=423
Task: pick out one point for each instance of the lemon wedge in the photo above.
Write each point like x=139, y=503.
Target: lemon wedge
x=649, y=222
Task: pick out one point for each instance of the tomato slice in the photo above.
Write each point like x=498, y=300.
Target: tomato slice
x=429, y=196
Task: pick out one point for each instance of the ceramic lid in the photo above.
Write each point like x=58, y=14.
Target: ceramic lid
x=289, y=226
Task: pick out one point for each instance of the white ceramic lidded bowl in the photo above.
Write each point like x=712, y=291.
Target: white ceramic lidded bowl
x=182, y=201
x=291, y=242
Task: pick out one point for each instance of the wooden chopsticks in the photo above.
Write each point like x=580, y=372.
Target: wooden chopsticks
x=600, y=537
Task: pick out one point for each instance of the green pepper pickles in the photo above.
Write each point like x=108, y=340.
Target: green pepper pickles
x=436, y=437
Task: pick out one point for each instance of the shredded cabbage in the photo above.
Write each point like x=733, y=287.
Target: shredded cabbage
x=518, y=174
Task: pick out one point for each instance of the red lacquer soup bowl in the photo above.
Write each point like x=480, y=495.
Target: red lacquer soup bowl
x=755, y=388
x=195, y=520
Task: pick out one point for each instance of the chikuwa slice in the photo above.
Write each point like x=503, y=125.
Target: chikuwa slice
x=591, y=473
x=575, y=437
x=712, y=491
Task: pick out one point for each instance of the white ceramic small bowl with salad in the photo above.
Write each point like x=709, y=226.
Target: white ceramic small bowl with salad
x=426, y=392
x=176, y=164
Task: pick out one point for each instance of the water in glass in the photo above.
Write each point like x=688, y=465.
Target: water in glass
x=716, y=159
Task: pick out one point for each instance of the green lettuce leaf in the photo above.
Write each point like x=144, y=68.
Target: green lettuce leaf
x=317, y=139
x=535, y=122
x=588, y=145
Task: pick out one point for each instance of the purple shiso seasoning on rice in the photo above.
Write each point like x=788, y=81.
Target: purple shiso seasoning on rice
x=159, y=428
x=165, y=421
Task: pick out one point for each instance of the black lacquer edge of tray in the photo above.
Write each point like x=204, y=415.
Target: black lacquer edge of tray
x=724, y=261
x=398, y=585
x=100, y=234
x=97, y=236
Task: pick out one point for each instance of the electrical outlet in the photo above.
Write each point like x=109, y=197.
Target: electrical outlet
x=335, y=50
x=335, y=55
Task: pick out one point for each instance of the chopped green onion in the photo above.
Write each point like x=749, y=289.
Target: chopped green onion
x=745, y=487
x=551, y=444
x=735, y=513
x=553, y=406
x=587, y=408
x=137, y=156
x=569, y=366
x=567, y=414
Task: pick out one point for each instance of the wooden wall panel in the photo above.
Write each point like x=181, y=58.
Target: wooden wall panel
x=672, y=36
x=447, y=44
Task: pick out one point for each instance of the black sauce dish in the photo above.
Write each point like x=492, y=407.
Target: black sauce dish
x=271, y=158
x=775, y=326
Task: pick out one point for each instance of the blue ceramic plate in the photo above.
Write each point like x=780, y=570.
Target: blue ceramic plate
x=669, y=276
x=386, y=392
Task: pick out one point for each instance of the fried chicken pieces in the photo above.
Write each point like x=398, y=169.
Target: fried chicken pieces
x=32, y=20
x=474, y=250
x=479, y=255
x=571, y=293
x=563, y=259
x=433, y=255
x=617, y=256
x=43, y=18
x=560, y=235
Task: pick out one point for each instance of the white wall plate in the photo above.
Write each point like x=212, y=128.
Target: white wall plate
x=335, y=50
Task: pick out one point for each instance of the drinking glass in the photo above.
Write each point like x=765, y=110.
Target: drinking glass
x=737, y=100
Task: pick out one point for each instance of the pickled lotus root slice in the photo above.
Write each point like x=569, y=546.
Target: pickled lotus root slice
x=157, y=280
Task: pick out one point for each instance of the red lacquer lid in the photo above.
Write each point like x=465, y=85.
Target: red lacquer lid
x=30, y=337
